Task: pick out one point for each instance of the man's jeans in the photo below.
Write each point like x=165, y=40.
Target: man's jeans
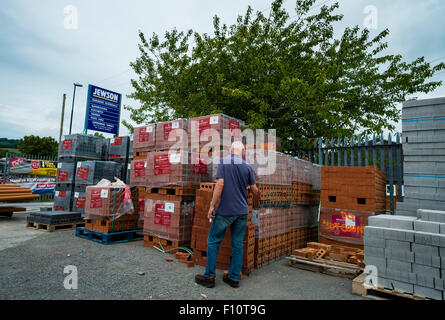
x=216, y=235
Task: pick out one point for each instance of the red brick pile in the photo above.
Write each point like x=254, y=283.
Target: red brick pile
x=349, y=195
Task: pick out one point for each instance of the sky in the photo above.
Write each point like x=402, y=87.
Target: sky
x=42, y=51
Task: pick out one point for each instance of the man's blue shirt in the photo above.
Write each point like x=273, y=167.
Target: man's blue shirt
x=237, y=175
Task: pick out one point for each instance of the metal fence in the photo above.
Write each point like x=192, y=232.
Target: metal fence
x=6, y=174
x=385, y=154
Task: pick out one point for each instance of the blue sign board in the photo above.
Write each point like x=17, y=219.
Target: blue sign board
x=103, y=110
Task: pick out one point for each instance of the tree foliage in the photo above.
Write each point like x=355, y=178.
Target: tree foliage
x=35, y=145
x=290, y=74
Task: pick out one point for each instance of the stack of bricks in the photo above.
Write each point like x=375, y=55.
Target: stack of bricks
x=168, y=217
x=423, y=129
x=211, y=134
x=282, y=229
x=119, y=150
x=353, y=188
x=73, y=149
x=104, y=207
x=201, y=227
x=166, y=171
x=408, y=253
x=288, y=216
x=349, y=195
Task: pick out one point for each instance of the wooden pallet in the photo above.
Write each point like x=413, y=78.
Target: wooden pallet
x=151, y=241
x=173, y=190
x=334, y=268
x=359, y=287
x=54, y=227
x=109, y=238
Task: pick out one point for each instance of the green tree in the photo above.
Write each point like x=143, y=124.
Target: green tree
x=34, y=145
x=290, y=74
x=98, y=134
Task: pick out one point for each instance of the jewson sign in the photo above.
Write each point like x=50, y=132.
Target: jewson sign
x=103, y=110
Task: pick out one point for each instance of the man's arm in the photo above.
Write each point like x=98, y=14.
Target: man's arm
x=256, y=196
x=216, y=196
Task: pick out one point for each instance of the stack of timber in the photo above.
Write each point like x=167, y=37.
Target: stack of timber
x=15, y=193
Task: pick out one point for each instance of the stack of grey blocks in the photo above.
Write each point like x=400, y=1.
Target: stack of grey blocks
x=408, y=252
x=423, y=126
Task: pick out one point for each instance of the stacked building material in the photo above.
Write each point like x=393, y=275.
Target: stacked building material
x=107, y=211
x=217, y=130
x=79, y=201
x=120, y=150
x=91, y=172
x=84, y=147
x=171, y=133
x=73, y=150
x=54, y=217
x=408, y=253
x=62, y=200
x=423, y=126
x=144, y=138
x=162, y=168
x=14, y=192
x=349, y=195
x=288, y=216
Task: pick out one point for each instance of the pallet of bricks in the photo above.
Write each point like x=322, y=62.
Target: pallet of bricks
x=111, y=213
x=84, y=160
x=74, y=149
x=289, y=206
x=423, y=132
x=407, y=254
x=349, y=196
x=168, y=170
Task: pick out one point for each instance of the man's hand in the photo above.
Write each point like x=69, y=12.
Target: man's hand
x=211, y=215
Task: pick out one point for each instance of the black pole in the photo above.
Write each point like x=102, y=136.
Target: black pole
x=72, y=108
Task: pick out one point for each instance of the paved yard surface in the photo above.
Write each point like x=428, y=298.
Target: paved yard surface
x=32, y=264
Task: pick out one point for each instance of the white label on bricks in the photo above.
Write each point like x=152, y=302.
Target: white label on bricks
x=76, y=194
x=79, y=164
x=57, y=193
x=150, y=129
x=59, y=165
x=145, y=164
x=112, y=140
x=214, y=120
x=175, y=158
x=129, y=166
x=131, y=138
x=175, y=125
x=104, y=193
x=169, y=207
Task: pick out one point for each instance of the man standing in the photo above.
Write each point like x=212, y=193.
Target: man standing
x=233, y=176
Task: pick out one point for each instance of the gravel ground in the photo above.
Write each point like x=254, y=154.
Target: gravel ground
x=34, y=268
